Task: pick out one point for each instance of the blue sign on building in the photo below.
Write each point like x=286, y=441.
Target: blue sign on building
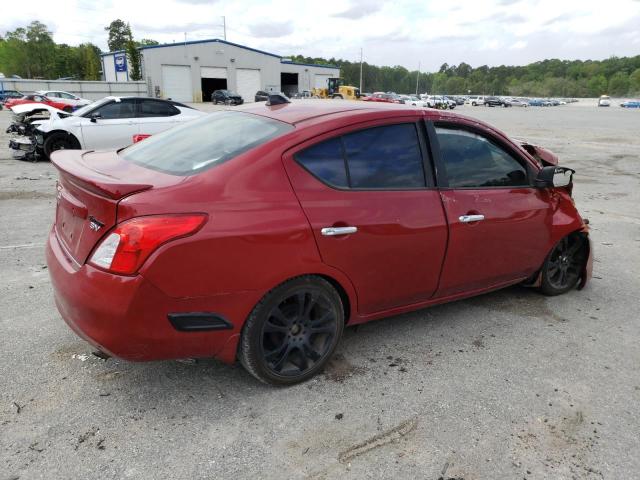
x=121, y=62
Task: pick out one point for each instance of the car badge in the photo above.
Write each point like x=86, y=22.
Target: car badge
x=94, y=224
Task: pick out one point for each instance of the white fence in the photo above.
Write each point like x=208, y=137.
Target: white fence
x=88, y=90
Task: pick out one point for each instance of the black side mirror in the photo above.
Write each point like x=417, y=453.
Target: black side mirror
x=94, y=117
x=550, y=177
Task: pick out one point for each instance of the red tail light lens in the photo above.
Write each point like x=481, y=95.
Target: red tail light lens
x=127, y=247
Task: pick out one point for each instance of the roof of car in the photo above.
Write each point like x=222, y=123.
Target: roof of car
x=302, y=110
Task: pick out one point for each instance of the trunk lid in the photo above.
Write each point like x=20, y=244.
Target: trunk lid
x=89, y=188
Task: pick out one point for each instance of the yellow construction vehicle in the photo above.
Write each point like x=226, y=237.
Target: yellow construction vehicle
x=335, y=89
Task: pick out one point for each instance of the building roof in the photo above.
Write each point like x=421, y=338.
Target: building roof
x=225, y=42
x=289, y=62
x=210, y=40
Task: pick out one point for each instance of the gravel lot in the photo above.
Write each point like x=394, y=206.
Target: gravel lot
x=507, y=385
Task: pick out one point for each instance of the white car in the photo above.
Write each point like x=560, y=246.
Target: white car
x=416, y=101
x=65, y=97
x=110, y=123
x=475, y=100
x=604, y=101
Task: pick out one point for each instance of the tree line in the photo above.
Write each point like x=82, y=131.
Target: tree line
x=31, y=52
x=618, y=76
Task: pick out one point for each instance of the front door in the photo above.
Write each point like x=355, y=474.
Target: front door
x=374, y=212
x=498, y=222
x=113, y=125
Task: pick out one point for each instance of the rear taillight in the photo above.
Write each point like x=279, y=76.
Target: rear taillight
x=127, y=247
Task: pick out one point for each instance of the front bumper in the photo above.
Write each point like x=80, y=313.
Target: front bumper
x=127, y=317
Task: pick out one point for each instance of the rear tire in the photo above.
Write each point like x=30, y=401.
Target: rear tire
x=292, y=332
x=59, y=141
x=563, y=266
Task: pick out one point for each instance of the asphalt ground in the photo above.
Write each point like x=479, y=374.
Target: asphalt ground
x=508, y=385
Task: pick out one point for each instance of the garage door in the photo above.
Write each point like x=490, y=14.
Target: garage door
x=248, y=83
x=176, y=83
x=322, y=81
x=213, y=72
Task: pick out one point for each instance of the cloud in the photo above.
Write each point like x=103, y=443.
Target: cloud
x=173, y=28
x=271, y=29
x=519, y=45
x=359, y=9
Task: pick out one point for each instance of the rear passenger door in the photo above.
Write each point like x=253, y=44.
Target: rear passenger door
x=155, y=116
x=368, y=194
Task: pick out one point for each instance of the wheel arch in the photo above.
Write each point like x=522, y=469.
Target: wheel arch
x=53, y=132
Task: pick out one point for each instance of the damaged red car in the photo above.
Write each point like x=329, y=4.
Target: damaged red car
x=259, y=234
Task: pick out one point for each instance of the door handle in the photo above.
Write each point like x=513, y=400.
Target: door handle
x=470, y=218
x=333, y=231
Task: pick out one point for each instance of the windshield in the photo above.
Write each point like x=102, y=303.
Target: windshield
x=82, y=111
x=200, y=144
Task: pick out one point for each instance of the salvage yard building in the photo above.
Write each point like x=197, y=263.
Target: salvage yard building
x=191, y=71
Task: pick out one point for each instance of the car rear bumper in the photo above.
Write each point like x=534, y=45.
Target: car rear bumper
x=128, y=317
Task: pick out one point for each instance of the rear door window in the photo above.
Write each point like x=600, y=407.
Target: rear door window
x=325, y=161
x=156, y=108
x=195, y=146
x=473, y=161
x=387, y=157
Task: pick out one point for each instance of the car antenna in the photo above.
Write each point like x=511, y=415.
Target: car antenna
x=277, y=99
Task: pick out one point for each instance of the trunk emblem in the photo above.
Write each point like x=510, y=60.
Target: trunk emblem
x=94, y=224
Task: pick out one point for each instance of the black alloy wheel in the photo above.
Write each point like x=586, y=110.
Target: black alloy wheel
x=292, y=332
x=563, y=267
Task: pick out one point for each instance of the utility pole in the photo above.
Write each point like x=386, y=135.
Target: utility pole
x=361, y=70
x=418, y=78
x=224, y=27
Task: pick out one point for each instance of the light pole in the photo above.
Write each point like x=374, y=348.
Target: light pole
x=360, y=69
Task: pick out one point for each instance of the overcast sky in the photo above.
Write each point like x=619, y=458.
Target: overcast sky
x=403, y=32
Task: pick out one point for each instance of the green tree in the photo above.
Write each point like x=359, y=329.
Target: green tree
x=597, y=85
x=119, y=35
x=634, y=82
x=89, y=61
x=619, y=84
x=146, y=42
x=133, y=55
x=455, y=86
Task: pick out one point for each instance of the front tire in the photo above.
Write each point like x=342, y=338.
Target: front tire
x=292, y=332
x=59, y=141
x=564, y=264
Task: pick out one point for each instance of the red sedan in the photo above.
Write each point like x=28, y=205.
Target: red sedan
x=38, y=99
x=382, y=97
x=257, y=234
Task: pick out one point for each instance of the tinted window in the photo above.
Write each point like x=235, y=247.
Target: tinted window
x=473, y=161
x=66, y=95
x=200, y=144
x=122, y=109
x=325, y=161
x=155, y=108
x=53, y=94
x=385, y=157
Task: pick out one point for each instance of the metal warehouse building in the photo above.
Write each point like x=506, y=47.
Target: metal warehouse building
x=191, y=71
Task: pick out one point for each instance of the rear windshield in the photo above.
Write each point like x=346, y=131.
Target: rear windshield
x=200, y=144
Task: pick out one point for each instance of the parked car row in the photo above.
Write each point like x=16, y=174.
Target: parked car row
x=110, y=123
x=56, y=98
